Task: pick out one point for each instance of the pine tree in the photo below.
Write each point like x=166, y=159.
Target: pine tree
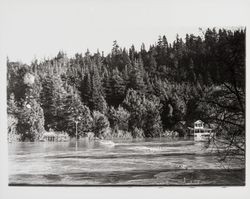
x=100, y=124
x=136, y=81
x=86, y=89
x=164, y=42
x=119, y=118
x=53, y=95
x=192, y=75
x=75, y=113
x=115, y=89
x=153, y=124
x=145, y=113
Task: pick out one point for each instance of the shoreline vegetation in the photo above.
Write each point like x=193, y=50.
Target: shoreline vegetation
x=131, y=93
x=118, y=135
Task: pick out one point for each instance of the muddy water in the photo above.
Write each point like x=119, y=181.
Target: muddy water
x=144, y=162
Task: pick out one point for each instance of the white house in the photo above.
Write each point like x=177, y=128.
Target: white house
x=200, y=132
x=198, y=124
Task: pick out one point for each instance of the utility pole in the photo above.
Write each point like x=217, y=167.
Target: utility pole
x=76, y=135
x=77, y=121
x=76, y=129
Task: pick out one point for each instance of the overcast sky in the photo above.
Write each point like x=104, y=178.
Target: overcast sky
x=40, y=28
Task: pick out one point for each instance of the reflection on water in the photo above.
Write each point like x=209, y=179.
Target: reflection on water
x=147, y=162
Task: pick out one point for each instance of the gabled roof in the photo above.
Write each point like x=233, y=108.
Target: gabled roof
x=49, y=134
x=198, y=121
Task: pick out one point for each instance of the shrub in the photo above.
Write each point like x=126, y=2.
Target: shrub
x=12, y=133
x=120, y=134
x=119, y=118
x=138, y=133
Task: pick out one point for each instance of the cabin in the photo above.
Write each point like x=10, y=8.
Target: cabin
x=200, y=132
x=62, y=137
x=52, y=136
x=49, y=136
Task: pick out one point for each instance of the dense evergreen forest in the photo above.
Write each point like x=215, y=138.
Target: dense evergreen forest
x=131, y=93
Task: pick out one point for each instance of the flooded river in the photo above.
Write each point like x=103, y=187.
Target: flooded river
x=144, y=162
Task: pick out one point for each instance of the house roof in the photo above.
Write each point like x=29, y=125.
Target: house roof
x=62, y=135
x=198, y=121
x=49, y=134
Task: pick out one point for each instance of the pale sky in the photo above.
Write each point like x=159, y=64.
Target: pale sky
x=40, y=28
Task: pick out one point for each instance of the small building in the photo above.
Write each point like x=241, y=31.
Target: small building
x=52, y=136
x=200, y=132
x=49, y=136
x=198, y=124
x=62, y=137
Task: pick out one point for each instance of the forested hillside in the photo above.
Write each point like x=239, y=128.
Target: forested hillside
x=134, y=93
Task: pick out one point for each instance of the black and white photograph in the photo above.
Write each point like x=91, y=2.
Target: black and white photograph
x=105, y=94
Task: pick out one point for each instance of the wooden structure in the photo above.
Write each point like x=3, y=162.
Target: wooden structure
x=49, y=136
x=52, y=136
x=62, y=137
x=200, y=132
